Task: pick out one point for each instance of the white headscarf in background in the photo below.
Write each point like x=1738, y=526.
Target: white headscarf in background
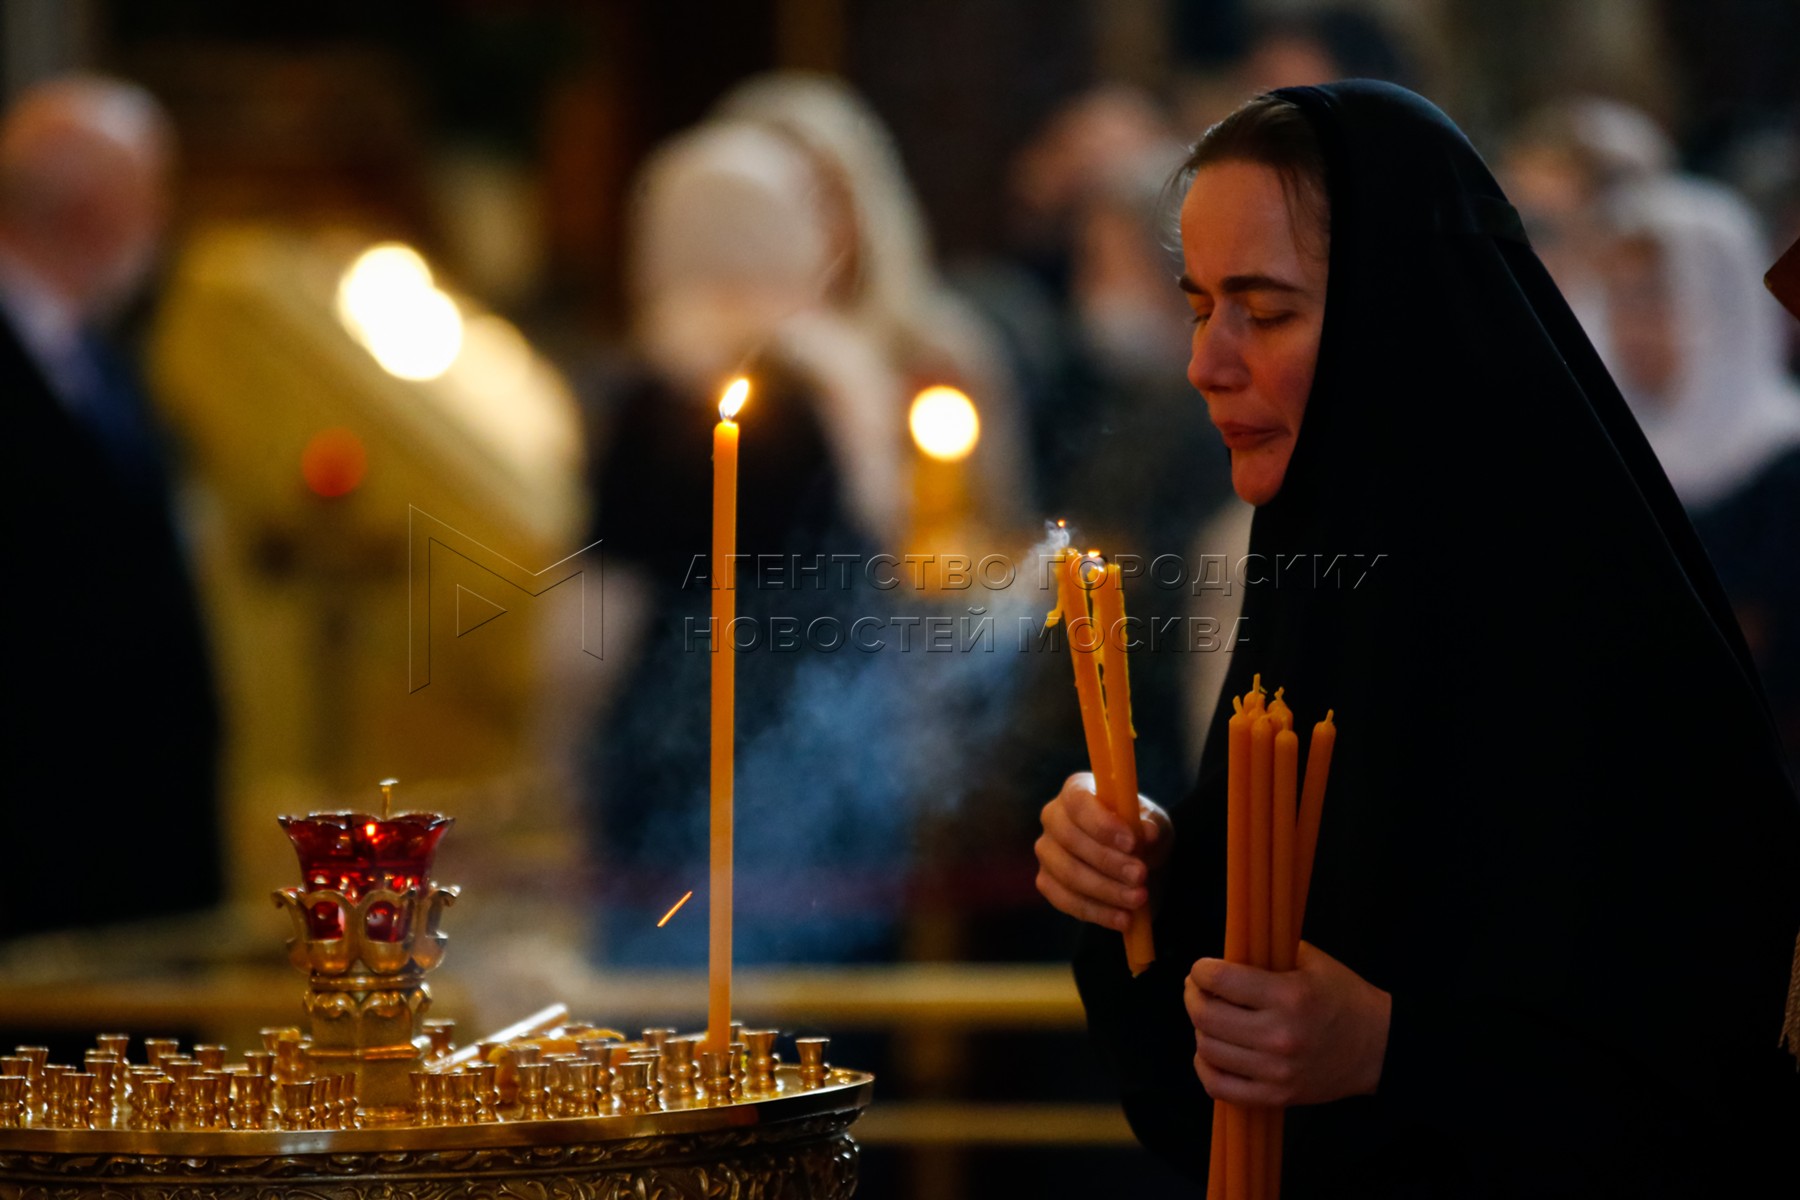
x=732, y=261
x=1732, y=409
x=896, y=295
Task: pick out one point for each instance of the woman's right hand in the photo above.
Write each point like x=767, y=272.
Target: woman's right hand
x=1092, y=865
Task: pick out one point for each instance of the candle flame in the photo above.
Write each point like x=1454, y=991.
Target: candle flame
x=673, y=911
x=944, y=423
x=734, y=398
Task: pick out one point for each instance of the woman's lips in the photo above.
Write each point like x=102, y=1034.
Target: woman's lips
x=1247, y=437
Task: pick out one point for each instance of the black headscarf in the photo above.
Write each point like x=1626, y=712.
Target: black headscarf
x=1558, y=830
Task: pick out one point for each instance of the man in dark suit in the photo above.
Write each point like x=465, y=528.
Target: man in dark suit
x=111, y=723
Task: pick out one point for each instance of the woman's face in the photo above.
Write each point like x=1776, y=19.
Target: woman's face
x=1257, y=289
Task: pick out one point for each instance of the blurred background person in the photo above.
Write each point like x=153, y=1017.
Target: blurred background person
x=734, y=267
x=1695, y=345
x=886, y=282
x=1316, y=44
x=1561, y=166
x=781, y=238
x=113, y=728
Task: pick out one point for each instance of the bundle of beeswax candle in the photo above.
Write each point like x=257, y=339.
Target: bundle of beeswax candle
x=1102, y=683
x=1271, y=832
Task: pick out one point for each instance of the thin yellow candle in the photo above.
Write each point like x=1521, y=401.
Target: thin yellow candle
x=1237, y=920
x=1279, y=712
x=1262, y=811
x=1312, y=809
x=724, y=709
x=1109, y=618
x=1084, y=649
x=1284, y=929
x=1215, y=1159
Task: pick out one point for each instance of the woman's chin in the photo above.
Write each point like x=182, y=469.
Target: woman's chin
x=1256, y=475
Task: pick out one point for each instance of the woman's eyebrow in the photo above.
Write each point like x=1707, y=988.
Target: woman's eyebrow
x=1233, y=285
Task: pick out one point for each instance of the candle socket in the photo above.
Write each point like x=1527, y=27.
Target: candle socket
x=715, y=1076
x=465, y=1106
x=12, y=1101
x=249, y=1100
x=157, y=1049
x=441, y=1034
x=679, y=1068
x=532, y=1091
x=208, y=1091
x=77, y=1100
x=760, y=1045
x=154, y=1108
x=487, y=1090
x=420, y=1081
x=136, y=1098
x=106, y=1069
x=633, y=1086
x=296, y=1104
x=52, y=1098
x=813, y=1067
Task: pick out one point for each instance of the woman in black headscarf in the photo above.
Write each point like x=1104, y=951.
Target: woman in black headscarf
x=1558, y=882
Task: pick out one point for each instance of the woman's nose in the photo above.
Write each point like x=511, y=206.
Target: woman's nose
x=1216, y=361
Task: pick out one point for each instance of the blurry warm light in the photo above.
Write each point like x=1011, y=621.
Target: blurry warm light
x=734, y=398
x=334, y=462
x=495, y=359
x=381, y=276
x=944, y=423
x=388, y=300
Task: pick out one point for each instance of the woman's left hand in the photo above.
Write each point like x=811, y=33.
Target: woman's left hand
x=1305, y=1036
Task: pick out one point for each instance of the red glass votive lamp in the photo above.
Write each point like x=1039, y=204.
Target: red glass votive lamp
x=358, y=853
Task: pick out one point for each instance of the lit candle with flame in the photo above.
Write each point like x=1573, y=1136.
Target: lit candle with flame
x=945, y=427
x=724, y=709
x=944, y=423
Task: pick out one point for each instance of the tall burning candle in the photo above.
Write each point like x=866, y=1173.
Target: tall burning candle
x=724, y=711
